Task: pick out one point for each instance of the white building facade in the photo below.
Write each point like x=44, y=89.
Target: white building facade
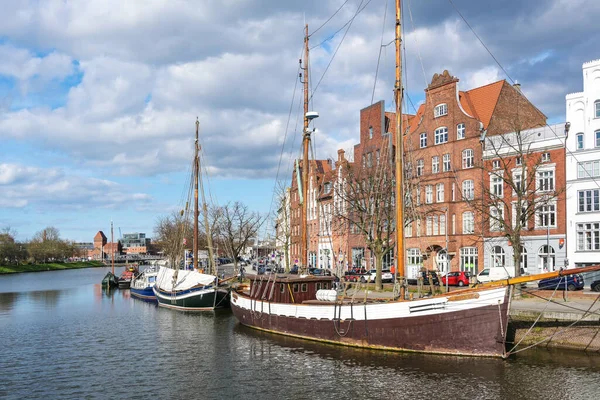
x=583, y=170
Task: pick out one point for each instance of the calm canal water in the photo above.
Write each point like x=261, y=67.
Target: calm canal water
x=62, y=337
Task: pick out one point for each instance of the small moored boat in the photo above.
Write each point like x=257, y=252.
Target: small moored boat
x=141, y=285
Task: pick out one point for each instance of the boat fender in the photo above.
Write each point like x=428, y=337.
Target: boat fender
x=327, y=295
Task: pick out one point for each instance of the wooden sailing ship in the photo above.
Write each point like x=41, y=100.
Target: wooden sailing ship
x=466, y=322
x=182, y=289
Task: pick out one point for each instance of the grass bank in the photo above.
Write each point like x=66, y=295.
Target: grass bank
x=13, y=269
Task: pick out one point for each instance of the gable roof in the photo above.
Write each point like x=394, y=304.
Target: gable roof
x=481, y=102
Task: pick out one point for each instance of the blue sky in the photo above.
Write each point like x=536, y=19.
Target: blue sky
x=98, y=98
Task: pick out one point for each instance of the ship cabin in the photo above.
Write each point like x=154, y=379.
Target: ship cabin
x=288, y=288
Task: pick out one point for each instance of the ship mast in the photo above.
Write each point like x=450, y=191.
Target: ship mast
x=112, y=248
x=399, y=155
x=211, y=265
x=196, y=173
x=305, y=165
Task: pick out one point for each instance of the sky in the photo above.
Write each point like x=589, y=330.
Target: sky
x=99, y=98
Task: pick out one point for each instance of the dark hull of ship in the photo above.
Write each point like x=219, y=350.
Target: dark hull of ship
x=473, y=332
x=195, y=299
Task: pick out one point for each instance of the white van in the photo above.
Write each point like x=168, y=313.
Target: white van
x=494, y=274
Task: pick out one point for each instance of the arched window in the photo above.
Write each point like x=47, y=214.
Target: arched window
x=497, y=257
x=440, y=109
x=441, y=135
x=546, y=258
x=442, y=261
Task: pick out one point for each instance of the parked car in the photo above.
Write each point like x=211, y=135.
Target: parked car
x=595, y=286
x=352, y=276
x=319, y=272
x=494, y=274
x=386, y=276
x=572, y=282
x=456, y=278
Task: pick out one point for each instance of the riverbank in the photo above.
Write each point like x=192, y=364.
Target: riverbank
x=15, y=269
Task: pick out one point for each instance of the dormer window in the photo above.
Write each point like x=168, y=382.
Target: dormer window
x=440, y=109
x=370, y=132
x=545, y=157
x=597, y=108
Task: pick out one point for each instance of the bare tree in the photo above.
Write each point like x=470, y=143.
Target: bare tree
x=47, y=245
x=236, y=227
x=173, y=234
x=283, y=231
x=11, y=252
x=521, y=189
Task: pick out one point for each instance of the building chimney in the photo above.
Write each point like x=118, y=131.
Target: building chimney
x=517, y=86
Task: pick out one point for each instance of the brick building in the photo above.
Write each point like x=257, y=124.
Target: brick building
x=444, y=162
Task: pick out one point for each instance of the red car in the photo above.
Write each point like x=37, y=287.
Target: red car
x=456, y=278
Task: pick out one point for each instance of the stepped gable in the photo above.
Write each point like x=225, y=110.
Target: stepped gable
x=441, y=79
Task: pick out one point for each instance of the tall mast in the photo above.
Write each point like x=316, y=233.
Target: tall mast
x=305, y=165
x=211, y=265
x=112, y=248
x=399, y=152
x=196, y=173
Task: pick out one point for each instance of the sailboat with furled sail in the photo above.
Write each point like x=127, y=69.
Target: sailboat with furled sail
x=184, y=289
x=469, y=322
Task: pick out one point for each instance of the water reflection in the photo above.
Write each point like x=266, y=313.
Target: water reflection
x=75, y=339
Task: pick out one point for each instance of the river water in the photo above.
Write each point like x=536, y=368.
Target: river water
x=63, y=337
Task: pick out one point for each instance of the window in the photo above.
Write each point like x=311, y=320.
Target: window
x=304, y=287
x=327, y=187
x=435, y=164
x=522, y=215
x=440, y=109
x=468, y=222
x=496, y=218
x=546, y=216
x=295, y=288
x=496, y=164
x=418, y=195
x=546, y=258
x=468, y=188
x=428, y=194
x=453, y=191
x=460, y=131
x=420, y=167
x=440, y=192
x=523, y=262
x=377, y=156
x=546, y=180
x=518, y=161
x=468, y=158
x=497, y=257
x=468, y=260
x=370, y=132
x=597, y=136
x=317, y=286
x=580, y=141
x=518, y=182
x=597, y=108
x=545, y=157
x=588, y=169
x=442, y=224
x=441, y=135
x=588, y=200
x=415, y=259
x=281, y=287
x=364, y=161
x=370, y=160
x=588, y=236
x=428, y=226
x=446, y=163
x=496, y=185
x=408, y=230
x=423, y=140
